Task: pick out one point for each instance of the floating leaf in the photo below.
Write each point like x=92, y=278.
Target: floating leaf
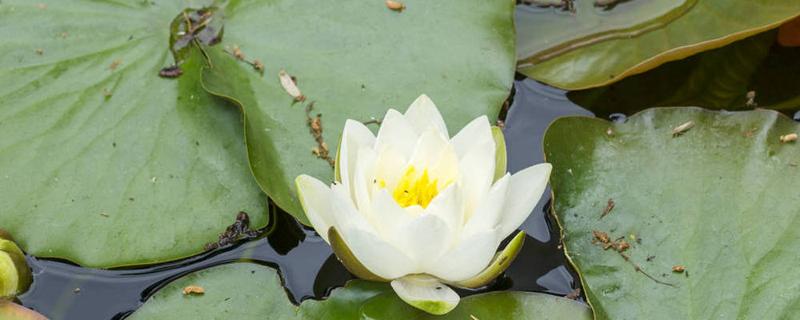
x=595, y=47
x=250, y=291
x=750, y=73
x=487, y=306
x=719, y=201
x=112, y=167
x=458, y=52
x=718, y=79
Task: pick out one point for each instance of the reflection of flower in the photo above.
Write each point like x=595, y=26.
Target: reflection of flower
x=419, y=209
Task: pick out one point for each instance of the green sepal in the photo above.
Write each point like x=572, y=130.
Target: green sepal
x=348, y=259
x=498, y=265
x=500, y=156
x=15, y=276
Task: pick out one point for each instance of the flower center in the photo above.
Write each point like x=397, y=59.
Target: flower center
x=415, y=189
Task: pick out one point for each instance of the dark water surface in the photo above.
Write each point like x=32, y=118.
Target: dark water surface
x=65, y=291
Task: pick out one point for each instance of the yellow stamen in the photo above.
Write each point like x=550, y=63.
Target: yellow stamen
x=415, y=190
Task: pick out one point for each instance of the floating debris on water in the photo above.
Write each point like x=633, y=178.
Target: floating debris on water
x=290, y=85
x=193, y=290
x=315, y=127
x=39, y=51
x=574, y=295
x=258, y=65
x=751, y=99
x=609, y=206
x=617, y=117
x=620, y=246
x=171, y=72
x=792, y=137
x=678, y=268
x=236, y=52
x=681, y=129
x=114, y=64
x=239, y=230
x=395, y=5
x=564, y=5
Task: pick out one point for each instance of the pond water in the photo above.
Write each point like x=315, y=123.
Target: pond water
x=65, y=291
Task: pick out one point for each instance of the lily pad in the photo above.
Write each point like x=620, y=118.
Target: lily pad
x=353, y=60
x=708, y=212
x=487, y=306
x=251, y=291
x=102, y=162
x=715, y=79
x=634, y=36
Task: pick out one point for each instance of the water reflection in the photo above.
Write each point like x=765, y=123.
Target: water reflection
x=535, y=106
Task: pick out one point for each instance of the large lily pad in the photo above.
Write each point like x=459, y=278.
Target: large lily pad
x=251, y=291
x=634, y=37
x=354, y=60
x=101, y=161
x=719, y=200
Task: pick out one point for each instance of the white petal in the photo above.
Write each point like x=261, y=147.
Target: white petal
x=389, y=167
x=354, y=137
x=524, y=191
x=467, y=259
x=379, y=256
x=447, y=206
x=487, y=213
x=389, y=215
x=315, y=197
x=477, y=131
x=423, y=114
x=429, y=150
x=476, y=174
x=396, y=132
x=344, y=213
x=424, y=239
x=426, y=293
x=362, y=180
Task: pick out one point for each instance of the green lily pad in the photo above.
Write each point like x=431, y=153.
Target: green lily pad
x=716, y=79
x=486, y=306
x=634, y=37
x=717, y=199
x=232, y=291
x=102, y=162
x=251, y=291
x=354, y=60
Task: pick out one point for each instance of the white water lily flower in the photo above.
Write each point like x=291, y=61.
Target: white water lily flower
x=420, y=209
